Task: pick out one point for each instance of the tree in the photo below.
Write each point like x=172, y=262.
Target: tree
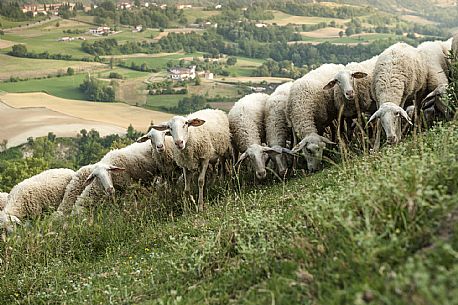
x=231, y=61
x=70, y=71
x=197, y=81
x=341, y=33
x=19, y=50
x=57, y=24
x=349, y=31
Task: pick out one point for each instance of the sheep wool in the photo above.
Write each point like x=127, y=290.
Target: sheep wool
x=36, y=194
x=3, y=198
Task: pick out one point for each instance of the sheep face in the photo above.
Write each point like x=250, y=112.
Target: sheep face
x=157, y=139
x=8, y=222
x=390, y=117
x=259, y=155
x=345, y=81
x=312, y=146
x=178, y=127
x=103, y=174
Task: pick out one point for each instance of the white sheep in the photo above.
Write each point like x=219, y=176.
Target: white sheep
x=117, y=170
x=246, y=123
x=3, y=198
x=400, y=74
x=455, y=45
x=310, y=109
x=201, y=138
x=162, y=152
x=74, y=189
x=353, y=94
x=277, y=130
x=34, y=195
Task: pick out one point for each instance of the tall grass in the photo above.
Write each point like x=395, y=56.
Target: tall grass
x=378, y=228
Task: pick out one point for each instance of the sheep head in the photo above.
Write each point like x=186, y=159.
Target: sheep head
x=259, y=155
x=178, y=128
x=8, y=222
x=389, y=115
x=345, y=81
x=103, y=174
x=312, y=146
x=156, y=137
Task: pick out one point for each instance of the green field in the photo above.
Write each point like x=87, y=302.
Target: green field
x=44, y=38
x=156, y=102
x=64, y=87
x=160, y=62
x=281, y=18
x=364, y=38
x=198, y=12
x=379, y=229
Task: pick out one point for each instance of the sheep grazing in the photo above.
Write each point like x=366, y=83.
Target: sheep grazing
x=435, y=54
x=400, y=74
x=116, y=170
x=352, y=95
x=3, y=198
x=277, y=130
x=246, y=123
x=201, y=138
x=310, y=109
x=34, y=195
x=74, y=188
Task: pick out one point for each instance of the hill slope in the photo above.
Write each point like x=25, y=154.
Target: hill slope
x=381, y=227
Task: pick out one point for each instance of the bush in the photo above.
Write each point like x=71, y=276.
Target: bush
x=98, y=91
x=70, y=71
x=115, y=75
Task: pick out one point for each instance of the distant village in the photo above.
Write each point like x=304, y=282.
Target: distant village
x=53, y=9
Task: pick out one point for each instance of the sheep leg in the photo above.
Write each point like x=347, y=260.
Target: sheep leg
x=201, y=182
x=187, y=184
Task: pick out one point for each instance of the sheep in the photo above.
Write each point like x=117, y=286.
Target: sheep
x=74, y=188
x=455, y=45
x=34, y=195
x=200, y=138
x=116, y=170
x=277, y=130
x=435, y=54
x=162, y=152
x=246, y=123
x=400, y=74
x=310, y=109
x=3, y=198
x=353, y=94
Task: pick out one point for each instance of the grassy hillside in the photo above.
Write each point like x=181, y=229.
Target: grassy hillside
x=380, y=228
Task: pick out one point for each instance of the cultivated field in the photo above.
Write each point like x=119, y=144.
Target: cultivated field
x=281, y=18
x=117, y=114
x=31, y=68
x=20, y=124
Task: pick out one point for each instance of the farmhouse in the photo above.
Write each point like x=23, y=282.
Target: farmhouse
x=183, y=6
x=101, y=30
x=181, y=74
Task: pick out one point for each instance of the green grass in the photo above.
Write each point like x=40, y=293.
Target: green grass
x=158, y=101
x=64, y=87
x=198, y=12
x=161, y=61
x=373, y=229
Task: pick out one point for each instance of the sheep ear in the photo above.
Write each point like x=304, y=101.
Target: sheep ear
x=15, y=220
x=327, y=141
x=241, y=158
x=143, y=139
x=161, y=127
x=89, y=179
x=116, y=168
x=359, y=75
x=299, y=146
x=195, y=122
x=330, y=85
x=272, y=151
x=405, y=116
x=374, y=116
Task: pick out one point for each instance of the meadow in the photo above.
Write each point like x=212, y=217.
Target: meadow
x=335, y=237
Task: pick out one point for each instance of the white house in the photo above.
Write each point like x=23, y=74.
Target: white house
x=181, y=74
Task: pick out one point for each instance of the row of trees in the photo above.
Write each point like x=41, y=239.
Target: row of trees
x=97, y=90
x=20, y=50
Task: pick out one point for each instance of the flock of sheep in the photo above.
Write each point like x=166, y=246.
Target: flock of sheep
x=259, y=127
